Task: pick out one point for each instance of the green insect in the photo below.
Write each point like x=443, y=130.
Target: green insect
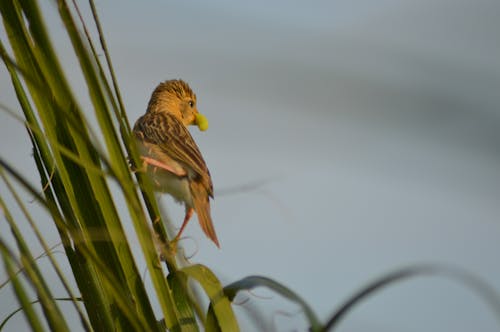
x=202, y=122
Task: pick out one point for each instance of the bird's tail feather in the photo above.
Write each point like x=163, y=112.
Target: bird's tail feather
x=202, y=208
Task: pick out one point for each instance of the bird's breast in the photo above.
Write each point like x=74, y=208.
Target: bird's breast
x=177, y=187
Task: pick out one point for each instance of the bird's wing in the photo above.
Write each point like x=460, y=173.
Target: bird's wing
x=173, y=138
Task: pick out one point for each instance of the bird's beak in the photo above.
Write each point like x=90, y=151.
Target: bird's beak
x=201, y=121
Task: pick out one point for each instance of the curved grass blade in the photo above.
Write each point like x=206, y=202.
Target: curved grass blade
x=225, y=319
x=481, y=288
x=257, y=281
x=21, y=269
x=22, y=308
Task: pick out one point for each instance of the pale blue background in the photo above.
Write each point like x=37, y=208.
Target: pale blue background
x=373, y=128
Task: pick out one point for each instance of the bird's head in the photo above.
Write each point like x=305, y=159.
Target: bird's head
x=177, y=98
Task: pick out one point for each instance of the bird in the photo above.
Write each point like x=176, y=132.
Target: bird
x=170, y=155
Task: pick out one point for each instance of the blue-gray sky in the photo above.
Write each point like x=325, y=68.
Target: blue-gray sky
x=374, y=128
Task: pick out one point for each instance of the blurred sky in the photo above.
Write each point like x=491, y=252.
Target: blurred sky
x=369, y=130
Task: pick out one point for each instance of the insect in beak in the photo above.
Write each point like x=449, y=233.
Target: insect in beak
x=201, y=121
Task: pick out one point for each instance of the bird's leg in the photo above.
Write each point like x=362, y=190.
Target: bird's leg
x=189, y=214
x=159, y=164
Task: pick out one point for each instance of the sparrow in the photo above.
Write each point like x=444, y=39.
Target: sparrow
x=170, y=154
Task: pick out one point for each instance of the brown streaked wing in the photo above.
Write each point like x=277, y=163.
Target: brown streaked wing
x=170, y=134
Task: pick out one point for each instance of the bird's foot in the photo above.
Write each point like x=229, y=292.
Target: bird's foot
x=167, y=249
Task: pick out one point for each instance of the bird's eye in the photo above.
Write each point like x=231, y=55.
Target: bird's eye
x=191, y=103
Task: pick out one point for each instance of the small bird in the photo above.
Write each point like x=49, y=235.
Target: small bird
x=165, y=144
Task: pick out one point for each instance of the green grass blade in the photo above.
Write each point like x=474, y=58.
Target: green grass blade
x=221, y=306
x=51, y=311
x=101, y=107
x=22, y=297
x=75, y=170
x=87, y=211
x=84, y=253
x=48, y=251
x=187, y=319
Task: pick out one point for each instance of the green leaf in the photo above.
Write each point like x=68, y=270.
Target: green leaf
x=225, y=319
x=27, y=261
x=19, y=290
x=187, y=319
